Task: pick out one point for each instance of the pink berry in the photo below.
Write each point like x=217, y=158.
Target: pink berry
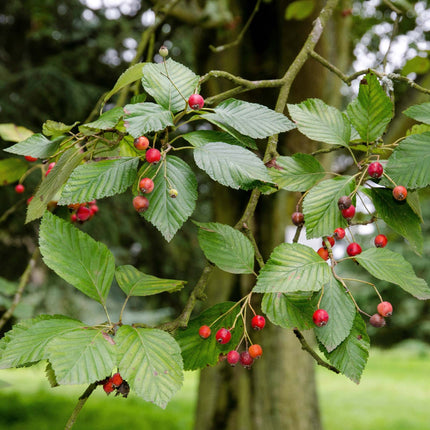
x=320, y=317
x=141, y=143
x=223, y=336
x=153, y=155
x=349, y=213
x=83, y=213
x=381, y=241
x=146, y=185
x=246, y=360
x=400, y=193
x=353, y=249
x=30, y=158
x=255, y=351
x=375, y=170
x=140, y=203
x=204, y=331
x=339, y=233
x=377, y=320
x=19, y=188
x=258, y=322
x=298, y=218
x=233, y=357
x=196, y=101
x=385, y=309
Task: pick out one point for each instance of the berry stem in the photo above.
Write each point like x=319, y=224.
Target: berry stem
x=390, y=179
x=365, y=282
x=81, y=402
x=321, y=296
x=168, y=77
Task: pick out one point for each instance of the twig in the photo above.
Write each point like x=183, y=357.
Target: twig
x=81, y=402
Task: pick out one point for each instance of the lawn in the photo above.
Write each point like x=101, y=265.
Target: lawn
x=393, y=395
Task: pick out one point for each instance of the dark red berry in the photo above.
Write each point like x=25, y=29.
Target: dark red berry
x=146, y=185
x=153, y=155
x=298, y=218
x=246, y=360
x=339, y=233
x=83, y=213
x=320, y=317
x=233, y=357
x=353, y=249
x=255, y=351
x=323, y=253
x=385, y=309
x=400, y=193
x=375, y=170
x=204, y=331
x=141, y=143
x=344, y=202
x=108, y=386
x=377, y=320
x=349, y=213
x=116, y=379
x=258, y=322
x=140, y=203
x=19, y=188
x=30, y=158
x=381, y=241
x=331, y=241
x=223, y=335
x=196, y=101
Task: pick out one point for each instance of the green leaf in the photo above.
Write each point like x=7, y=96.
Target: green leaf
x=201, y=137
x=76, y=257
x=14, y=133
x=52, y=184
x=293, y=267
x=107, y=120
x=131, y=75
x=412, y=151
x=392, y=267
x=36, y=145
x=230, y=165
x=199, y=353
x=417, y=65
x=350, y=357
x=55, y=129
x=156, y=83
x=341, y=310
x=321, y=122
x=299, y=10
x=94, y=180
x=419, y=112
x=413, y=201
x=141, y=118
x=11, y=169
x=226, y=247
x=81, y=356
x=372, y=110
x=322, y=215
x=135, y=283
x=167, y=213
x=297, y=173
x=250, y=119
x=50, y=375
x=290, y=310
x=418, y=129
x=151, y=362
x=243, y=140
x=398, y=215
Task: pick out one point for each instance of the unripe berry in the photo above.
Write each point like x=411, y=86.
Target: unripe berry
x=320, y=317
x=298, y=218
x=385, y=309
x=163, y=51
x=173, y=193
x=400, y=193
x=19, y=188
x=196, y=101
x=344, y=202
x=258, y=322
x=353, y=249
x=116, y=379
x=153, y=155
x=375, y=170
x=141, y=143
x=223, y=336
x=30, y=158
x=108, y=387
x=377, y=320
x=233, y=357
x=140, y=203
x=255, y=351
x=83, y=213
x=146, y=185
x=323, y=253
x=381, y=241
x=204, y=331
x=246, y=360
x=349, y=213
x=330, y=240
x=339, y=233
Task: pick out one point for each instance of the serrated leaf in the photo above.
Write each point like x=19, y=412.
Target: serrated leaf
x=135, y=283
x=250, y=119
x=230, y=165
x=81, y=356
x=80, y=260
x=419, y=112
x=107, y=120
x=14, y=133
x=297, y=173
x=167, y=213
x=372, y=110
x=94, y=180
x=398, y=215
x=322, y=215
x=392, y=267
x=414, y=151
x=201, y=137
x=243, y=140
x=417, y=65
x=413, y=201
x=290, y=310
x=199, y=353
x=350, y=357
x=321, y=122
x=11, y=169
x=55, y=129
x=158, y=85
x=36, y=145
x=141, y=118
x=299, y=9
x=341, y=310
x=150, y=360
x=226, y=247
x=52, y=184
x=418, y=129
x=293, y=267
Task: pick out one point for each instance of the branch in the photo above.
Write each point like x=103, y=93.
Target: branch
x=81, y=402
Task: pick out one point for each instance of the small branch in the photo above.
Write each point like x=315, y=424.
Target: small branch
x=329, y=66
x=393, y=7
x=251, y=237
x=81, y=402
x=249, y=210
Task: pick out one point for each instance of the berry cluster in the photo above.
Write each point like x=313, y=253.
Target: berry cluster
x=82, y=212
x=115, y=382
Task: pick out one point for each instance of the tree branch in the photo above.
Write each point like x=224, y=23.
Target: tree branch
x=81, y=402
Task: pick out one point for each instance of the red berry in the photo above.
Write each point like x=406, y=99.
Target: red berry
x=196, y=101
x=73, y=218
x=381, y=241
x=385, y=309
x=353, y=249
x=246, y=360
x=323, y=253
x=344, y=202
x=50, y=167
x=377, y=320
x=320, y=317
x=30, y=158
x=140, y=203
x=83, y=213
x=258, y=322
x=330, y=239
x=400, y=193
x=223, y=335
x=204, y=331
x=153, y=155
x=146, y=185
x=116, y=379
x=349, y=213
x=233, y=357
x=108, y=387
x=94, y=209
x=29, y=200
x=255, y=351
x=298, y=218
x=375, y=170
x=19, y=188
x=339, y=233
x=141, y=143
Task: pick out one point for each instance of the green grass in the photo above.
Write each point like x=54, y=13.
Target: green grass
x=393, y=395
